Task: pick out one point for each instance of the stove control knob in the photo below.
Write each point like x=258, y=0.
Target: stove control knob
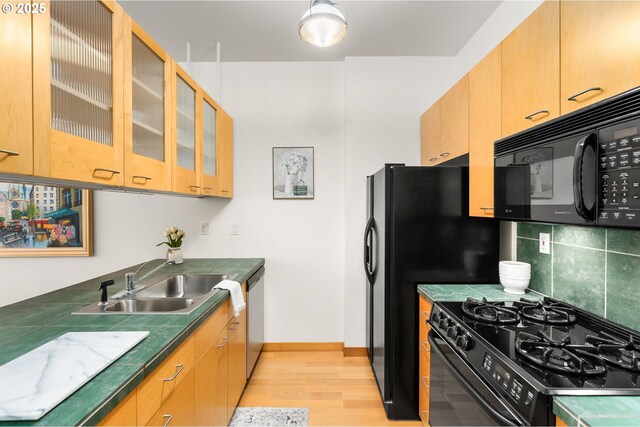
x=453, y=331
x=444, y=323
x=464, y=342
x=435, y=318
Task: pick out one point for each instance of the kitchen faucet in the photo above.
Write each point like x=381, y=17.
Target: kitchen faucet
x=132, y=278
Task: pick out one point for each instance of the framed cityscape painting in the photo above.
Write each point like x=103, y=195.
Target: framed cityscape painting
x=42, y=220
x=293, y=173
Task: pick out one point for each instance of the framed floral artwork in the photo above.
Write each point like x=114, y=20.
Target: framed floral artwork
x=43, y=220
x=293, y=173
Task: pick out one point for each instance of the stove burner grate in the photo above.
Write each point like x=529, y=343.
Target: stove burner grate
x=490, y=312
x=625, y=354
x=545, y=312
x=560, y=356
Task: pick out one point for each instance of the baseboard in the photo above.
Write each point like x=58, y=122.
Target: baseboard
x=355, y=352
x=302, y=346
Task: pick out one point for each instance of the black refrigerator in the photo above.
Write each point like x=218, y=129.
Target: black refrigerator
x=418, y=231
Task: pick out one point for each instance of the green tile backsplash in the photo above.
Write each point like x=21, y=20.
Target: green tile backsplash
x=592, y=268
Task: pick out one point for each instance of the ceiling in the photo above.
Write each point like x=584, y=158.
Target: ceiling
x=268, y=30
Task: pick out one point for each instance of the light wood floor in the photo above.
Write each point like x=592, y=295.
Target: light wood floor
x=337, y=390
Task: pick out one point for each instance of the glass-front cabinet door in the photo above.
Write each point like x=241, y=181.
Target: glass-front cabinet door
x=16, y=143
x=147, y=107
x=78, y=91
x=187, y=143
x=225, y=153
x=210, y=181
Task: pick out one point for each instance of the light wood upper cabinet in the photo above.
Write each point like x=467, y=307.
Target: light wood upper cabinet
x=147, y=111
x=454, y=121
x=186, y=140
x=484, y=129
x=78, y=88
x=600, y=45
x=531, y=70
x=16, y=143
x=225, y=154
x=210, y=147
x=430, y=135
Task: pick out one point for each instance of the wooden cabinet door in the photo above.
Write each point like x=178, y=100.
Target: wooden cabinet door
x=124, y=414
x=78, y=88
x=225, y=162
x=16, y=144
x=531, y=70
x=424, y=360
x=212, y=384
x=237, y=359
x=485, y=128
x=211, y=126
x=186, y=142
x=430, y=135
x=454, y=121
x=600, y=45
x=179, y=408
x=147, y=111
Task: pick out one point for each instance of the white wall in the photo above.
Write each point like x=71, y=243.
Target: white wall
x=287, y=104
x=126, y=229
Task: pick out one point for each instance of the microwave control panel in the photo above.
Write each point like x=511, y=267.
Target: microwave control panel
x=619, y=182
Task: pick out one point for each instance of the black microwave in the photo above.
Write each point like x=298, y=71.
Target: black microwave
x=582, y=168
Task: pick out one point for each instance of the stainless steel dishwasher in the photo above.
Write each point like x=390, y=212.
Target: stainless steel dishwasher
x=255, y=318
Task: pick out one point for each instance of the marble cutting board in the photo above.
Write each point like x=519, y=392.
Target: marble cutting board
x=34, y=383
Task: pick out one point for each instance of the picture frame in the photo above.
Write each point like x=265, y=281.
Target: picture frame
x=45, y=221
x=293, y=173
x=540, y=161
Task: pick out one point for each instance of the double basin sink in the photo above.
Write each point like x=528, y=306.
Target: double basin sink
x=178, y=294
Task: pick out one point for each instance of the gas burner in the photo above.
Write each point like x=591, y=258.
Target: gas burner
x=625, y=354
x=559, y=356
x=490, y=312
x=545, y=312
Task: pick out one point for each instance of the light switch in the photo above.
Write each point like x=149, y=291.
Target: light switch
x=204, y=228
x=545, y=243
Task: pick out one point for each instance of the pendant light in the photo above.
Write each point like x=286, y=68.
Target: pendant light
x=324, y=24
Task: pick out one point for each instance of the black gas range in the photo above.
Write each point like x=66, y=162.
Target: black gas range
x=501, y=362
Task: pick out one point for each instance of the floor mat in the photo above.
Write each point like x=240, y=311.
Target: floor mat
x=263, y=416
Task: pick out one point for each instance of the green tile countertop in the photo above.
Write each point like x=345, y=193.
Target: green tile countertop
x=36, y=321
x=574, y=410
x=461, y=292
x=598, y=410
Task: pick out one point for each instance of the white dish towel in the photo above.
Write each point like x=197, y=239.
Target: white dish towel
x=237, y=300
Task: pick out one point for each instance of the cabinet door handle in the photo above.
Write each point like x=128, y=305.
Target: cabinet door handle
x=487, y=209
x=225, y=191
x=424, y=381
x=9, y=153
x=424, y=414
x=168, y=417
x=532, y=115
x=111, y=171
x=226, y=340
x=178, y=370
x=233, y=323
x=208, y=189
x=574, y=98
x=194, y=187
x=146, y=178
x=445, y=155
x=424, y=347
x=433, y=159
x=425, y=314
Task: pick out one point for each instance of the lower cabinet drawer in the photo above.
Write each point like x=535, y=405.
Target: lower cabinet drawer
x=158, y=386
x=178, y=409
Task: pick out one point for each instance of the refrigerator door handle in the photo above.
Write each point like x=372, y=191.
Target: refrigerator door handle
x=368, y=251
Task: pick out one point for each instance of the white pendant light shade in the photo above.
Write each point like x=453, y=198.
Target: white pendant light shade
x=323, y=24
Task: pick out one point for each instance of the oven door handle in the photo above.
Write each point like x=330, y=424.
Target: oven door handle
x=587, y=141
x=471, y=389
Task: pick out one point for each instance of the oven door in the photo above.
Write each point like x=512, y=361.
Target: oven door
x=458, y=397
x=551, y=182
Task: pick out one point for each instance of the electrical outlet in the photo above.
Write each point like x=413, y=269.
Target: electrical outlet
x=204, y=228
x=234, y=229
x=545, y=243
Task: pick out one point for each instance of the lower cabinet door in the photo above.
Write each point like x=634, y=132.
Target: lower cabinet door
x=178, y=409
x=211, y=384
x=237, y=359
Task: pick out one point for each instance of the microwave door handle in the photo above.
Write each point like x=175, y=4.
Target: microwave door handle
x=585, y=213
x=503, y=419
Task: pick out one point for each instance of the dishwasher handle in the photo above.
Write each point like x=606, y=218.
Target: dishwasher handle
x=257, y=276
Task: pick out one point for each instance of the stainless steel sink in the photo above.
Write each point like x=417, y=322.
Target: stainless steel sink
x=178, y=294
x=150, y=305
x=183, y=286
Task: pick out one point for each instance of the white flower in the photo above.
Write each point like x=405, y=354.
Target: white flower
x=173, y=236
x=174, y=229
x=167, y=232
x=180, y=233
x=293, y=163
